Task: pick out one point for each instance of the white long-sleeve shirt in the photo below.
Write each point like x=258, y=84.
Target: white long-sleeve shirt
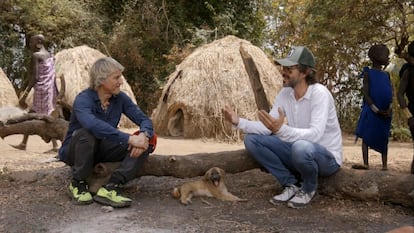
x=312, y=117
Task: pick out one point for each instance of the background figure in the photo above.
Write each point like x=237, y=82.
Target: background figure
x=43, y=79
x=406, y=88
x=374, y=122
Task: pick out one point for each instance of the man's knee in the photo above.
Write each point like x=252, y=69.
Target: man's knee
x=247, y=138
x=82, y=141
x=302, y=145
x=300, y=149
x=250, y=141
x=83, y=135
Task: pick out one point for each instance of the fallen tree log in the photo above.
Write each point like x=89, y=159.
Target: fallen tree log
x=370, y=185
x=14, y=120
x=197, y=164
x=180, y=166
x=45, y=126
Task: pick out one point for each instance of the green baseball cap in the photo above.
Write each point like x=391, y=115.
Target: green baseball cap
x=298, y=55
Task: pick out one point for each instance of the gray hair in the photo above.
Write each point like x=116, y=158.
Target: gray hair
x=101, y=69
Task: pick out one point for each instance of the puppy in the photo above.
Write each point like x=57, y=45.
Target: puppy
x=211, y=185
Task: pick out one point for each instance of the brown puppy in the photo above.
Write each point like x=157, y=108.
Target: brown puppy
x=211, y=185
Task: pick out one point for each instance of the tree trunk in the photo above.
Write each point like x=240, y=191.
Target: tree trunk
x=370, y=185
x=254, y=77
x=45, y=126
x=367, y=185
x=181, y=166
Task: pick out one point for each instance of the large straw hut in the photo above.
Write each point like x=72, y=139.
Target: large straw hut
x=211, y=77
x=74, y=65
x=8, y=96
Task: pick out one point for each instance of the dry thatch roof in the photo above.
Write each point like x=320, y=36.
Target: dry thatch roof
x=8, y=96
x=208, y=79
x=74, y=65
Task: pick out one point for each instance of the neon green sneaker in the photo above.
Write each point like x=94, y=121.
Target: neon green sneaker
x=109, y=196
x=78, y=191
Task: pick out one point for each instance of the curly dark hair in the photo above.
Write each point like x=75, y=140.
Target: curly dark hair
x=379, y=53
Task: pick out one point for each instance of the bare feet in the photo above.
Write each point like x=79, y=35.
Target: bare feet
x=360, y=166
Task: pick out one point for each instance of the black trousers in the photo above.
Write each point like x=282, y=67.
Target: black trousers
x=85, y=151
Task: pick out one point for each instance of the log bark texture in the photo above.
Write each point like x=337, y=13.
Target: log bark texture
x=45, y=126
x=370, y=185
x=198, y=164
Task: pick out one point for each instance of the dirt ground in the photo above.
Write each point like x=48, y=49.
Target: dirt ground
x=33, y=198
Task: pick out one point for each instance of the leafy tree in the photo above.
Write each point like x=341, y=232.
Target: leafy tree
x=64, y=23
x=148, y=37
x=340, y=34
x=151, y=36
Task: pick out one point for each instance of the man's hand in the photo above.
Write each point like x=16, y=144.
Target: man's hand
x=271, y=123
x=385, y=113
x=230, y=115
x=135, y=152
x=137, y=144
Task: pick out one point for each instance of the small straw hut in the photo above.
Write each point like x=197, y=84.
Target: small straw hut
x=211, y=77
x=74, y=65
x=8, y=96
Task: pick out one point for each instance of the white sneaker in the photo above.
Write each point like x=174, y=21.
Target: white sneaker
x=301, y=199
x=286, y=195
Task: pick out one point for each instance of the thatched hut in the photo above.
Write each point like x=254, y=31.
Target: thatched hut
x=8, y=96
x=211, y=77
x=74, y=65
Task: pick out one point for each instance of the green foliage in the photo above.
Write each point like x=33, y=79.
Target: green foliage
x=400, y=134
x=64, y=23
x=150, y=37
x=12, y=53
x=143, y=34
x=340, y=34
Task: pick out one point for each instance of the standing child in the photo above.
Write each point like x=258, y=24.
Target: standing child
x=375, y=119
x=43, y=80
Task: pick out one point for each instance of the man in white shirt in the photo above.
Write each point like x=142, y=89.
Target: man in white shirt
x=309, y=144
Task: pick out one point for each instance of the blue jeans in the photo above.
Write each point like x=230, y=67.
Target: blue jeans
x=291, y=163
